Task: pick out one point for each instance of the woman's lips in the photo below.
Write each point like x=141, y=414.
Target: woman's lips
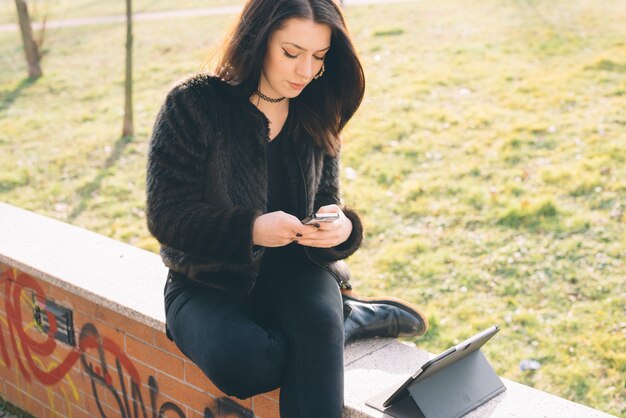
x=297, y=86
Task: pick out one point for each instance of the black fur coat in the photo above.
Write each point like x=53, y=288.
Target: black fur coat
x=207, y=183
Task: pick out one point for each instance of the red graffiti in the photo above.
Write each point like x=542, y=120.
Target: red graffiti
x=27, y=350
x=14, y=286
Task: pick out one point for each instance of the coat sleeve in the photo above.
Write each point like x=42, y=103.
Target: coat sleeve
x=179, y=215
x=328, y=193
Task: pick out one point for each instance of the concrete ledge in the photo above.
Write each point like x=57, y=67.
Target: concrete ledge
x=129, y=281
x=118, y=276
x=375, y=365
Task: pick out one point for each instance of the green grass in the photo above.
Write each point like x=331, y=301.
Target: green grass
x=488, y=161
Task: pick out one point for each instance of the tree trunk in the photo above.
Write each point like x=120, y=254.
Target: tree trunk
x=30, y=47
x=128, y=129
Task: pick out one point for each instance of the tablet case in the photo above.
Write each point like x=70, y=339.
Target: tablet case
x=451, y=392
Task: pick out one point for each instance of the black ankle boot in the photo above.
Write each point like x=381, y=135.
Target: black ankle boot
x=384, y=318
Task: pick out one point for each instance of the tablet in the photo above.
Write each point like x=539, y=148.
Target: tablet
x=442, y=360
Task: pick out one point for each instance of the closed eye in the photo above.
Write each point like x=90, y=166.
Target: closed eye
x=288, y=55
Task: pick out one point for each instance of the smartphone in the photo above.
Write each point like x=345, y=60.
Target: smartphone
x=321, y=217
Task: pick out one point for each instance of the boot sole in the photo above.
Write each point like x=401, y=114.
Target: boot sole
x=397, y=302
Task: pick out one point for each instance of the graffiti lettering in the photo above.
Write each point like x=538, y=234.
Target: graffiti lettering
x=29, y=351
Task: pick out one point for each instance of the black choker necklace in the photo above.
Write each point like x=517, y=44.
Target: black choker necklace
x=268, y=99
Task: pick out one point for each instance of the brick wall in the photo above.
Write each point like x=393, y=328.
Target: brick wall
x=117, y=367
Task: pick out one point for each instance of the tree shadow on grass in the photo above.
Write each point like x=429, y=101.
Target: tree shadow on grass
x=8, y=97
x=86, y=192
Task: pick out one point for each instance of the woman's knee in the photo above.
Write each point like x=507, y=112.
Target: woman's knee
x=319, y=320
x=243, y=369
x=239, y=356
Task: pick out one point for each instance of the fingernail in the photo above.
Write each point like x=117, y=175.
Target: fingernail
x=298, y=235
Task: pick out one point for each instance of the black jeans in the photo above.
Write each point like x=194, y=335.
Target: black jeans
x=287, y=334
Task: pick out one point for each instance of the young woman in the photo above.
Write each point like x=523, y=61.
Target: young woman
x=236, y=161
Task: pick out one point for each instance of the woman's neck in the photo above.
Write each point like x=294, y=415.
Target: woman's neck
x=268, y=108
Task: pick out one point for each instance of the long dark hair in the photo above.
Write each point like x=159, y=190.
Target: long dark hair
x=327, y=103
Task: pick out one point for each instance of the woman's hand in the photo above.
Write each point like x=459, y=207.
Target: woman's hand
x=276, y=229
x=328, y=234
